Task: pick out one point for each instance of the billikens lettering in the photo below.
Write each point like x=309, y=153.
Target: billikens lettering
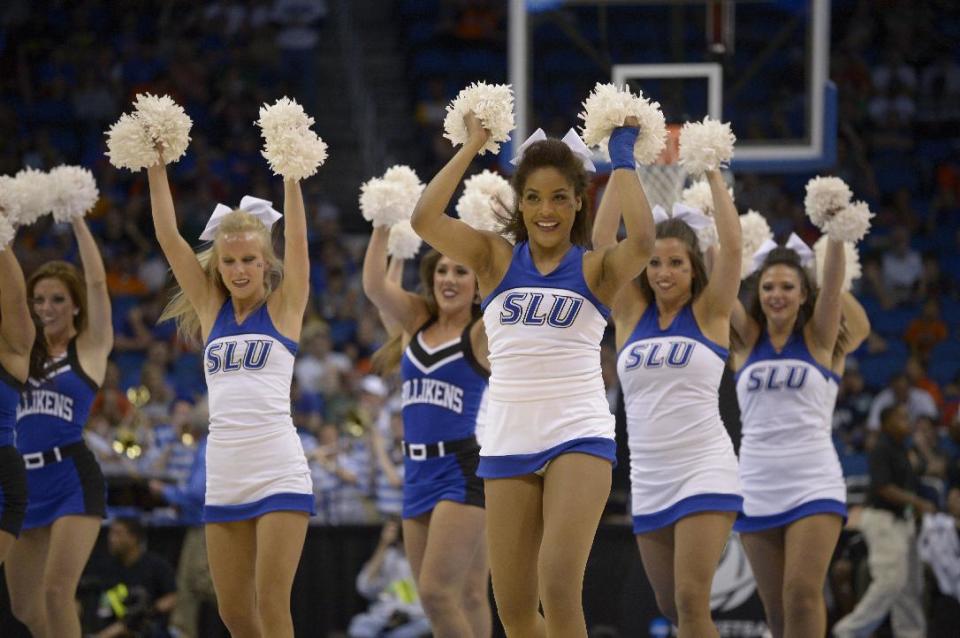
x=45, y=402
x=433, y=392
x=230, y=356
x=524, y=307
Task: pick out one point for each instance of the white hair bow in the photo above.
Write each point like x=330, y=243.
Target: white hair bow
x=571, y=139
x=794, y=243
x=689, y=215
x=259, y=208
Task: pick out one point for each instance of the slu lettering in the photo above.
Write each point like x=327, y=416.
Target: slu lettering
x=45, y=402
x=230, y=356
x=526, y=307
x=674, y=354
x=776, y=378
x=433, y=392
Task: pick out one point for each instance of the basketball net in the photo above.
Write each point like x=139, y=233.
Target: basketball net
x=664, y=180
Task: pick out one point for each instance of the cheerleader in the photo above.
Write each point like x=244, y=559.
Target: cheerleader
x=444, y=369
x=672, y=332
x=247, y=306
x=794, y=493
x=66, y=489
x=17, y=333
x=549, y=443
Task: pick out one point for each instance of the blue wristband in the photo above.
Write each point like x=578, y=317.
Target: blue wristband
x=620, y=147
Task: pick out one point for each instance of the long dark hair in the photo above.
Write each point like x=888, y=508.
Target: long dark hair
x=783, y=257
x=551, y=153
x=387, y=357
x=72, y=279
x=677, y=229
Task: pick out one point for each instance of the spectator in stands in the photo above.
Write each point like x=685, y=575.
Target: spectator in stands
x=917, y=376
x=933, y=459
x=887, y=525
x=194, y=585
x=319, y=368
x=917, y=401
x=852, y=409
x=387, y=581
x=902, y=267
x=927, y=330
x=111, y=402
x=940, y=88
x=137, y=585
x=341, y=479
x=388, y=459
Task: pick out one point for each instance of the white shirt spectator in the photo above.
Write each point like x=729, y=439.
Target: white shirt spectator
x=919, y=403
x=902, y=271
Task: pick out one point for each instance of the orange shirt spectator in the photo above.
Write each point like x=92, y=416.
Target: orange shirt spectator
x=927, y=330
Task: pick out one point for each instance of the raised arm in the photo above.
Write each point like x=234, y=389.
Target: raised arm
x=296, y=260
x=855, y=320
x=16, y=324
x=455, y=239
x=825, y=323
x=97, y=338
x=395, y=276
x=606, y=224
x=183, y=261
x=396, y=305
x=623, y=261
x=721, y=292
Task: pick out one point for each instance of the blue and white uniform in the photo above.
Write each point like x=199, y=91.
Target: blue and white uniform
x=63, y=477
x=13, y=476
x=443, y=388
x=681, y=457
x=546, y=393
x=788, y=464
x=255, y=461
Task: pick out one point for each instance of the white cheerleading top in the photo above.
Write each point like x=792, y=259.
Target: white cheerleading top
x=254, y=455
x=248, y=369
x=788, y=465
x=786, y=398
x=671, y=380
x=546, y=395
x=681, y=457
x=544, y=331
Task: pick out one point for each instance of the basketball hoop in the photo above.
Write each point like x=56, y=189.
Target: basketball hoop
x=664, y=180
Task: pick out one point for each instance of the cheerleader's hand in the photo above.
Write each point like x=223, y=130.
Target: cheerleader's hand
x=477, y=134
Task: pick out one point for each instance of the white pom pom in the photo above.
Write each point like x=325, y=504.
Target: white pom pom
x=292, y=150
x=383, y=203
x=754, y=230
x=404, y=242
x=36, y=195
x=706, y=145
x=491, y=103
x=166, y=123
x=850, y=224
x=486, y=201
x=129, y=145
x=700, y=196
x=825, y=196
x=607, y=107
x=408, y=184
x=474, y=208
x=74, y=192
x=7, y=232
x=852, y=270
x=11, y=199
x=492, y=184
